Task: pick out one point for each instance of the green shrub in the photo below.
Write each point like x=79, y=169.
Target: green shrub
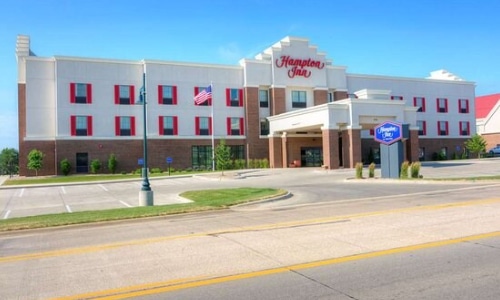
x=264, y=163
x=404, y=169
x=65, y=167
x=359, y=170
x=371, y=170
x=95, y=166
x=415, y=170
x=112, y=163
x=156, y=170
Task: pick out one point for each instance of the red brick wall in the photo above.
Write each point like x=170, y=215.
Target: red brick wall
x=491, y=140
x=331, y=148
x=277, y=101
x=320, y=97
x=275, y=157
x=339, y=95
x=351, y=145
x=295, y=143
x=257, y=148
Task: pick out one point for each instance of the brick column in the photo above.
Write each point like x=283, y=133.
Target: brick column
x=284, y=150
x=275, y=159
x=351, y=143
x=320, y=97
x=412, y=145
x=277, y=101
x=331, y=148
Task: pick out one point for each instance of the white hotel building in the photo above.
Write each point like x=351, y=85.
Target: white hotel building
x=289, y=104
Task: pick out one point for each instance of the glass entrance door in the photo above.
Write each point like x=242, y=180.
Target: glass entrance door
x=311, y=156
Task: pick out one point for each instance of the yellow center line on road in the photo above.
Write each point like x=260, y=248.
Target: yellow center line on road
x=165, y=287
x=317, y=221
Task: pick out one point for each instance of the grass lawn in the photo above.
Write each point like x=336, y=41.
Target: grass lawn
x=202, y=201
x=83, y=178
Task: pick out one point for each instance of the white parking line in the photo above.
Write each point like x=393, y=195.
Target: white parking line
x=68, y=208
x=126, y=204
x=21, y=193
x=63, y=190
x=103, y=187
x=6, y=215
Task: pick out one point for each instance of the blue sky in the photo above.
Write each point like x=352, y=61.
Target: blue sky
x=386, y=37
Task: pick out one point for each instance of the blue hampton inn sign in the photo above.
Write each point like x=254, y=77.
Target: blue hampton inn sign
x=388, y=132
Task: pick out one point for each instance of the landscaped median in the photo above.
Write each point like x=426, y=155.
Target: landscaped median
x=203, y=200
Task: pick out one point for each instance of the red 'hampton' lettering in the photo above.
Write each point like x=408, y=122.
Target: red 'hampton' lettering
x=297, y=66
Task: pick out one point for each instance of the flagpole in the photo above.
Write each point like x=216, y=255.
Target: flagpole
x=213, y=128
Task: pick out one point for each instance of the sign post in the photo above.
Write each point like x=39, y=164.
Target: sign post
x=169, y=161
x=390, y=135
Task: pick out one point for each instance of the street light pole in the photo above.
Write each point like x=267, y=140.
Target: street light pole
x=145, y=194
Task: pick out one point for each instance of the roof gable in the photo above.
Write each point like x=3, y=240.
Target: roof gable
x=484, y=104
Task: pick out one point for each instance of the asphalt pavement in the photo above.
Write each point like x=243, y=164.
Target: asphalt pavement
x=306, y=186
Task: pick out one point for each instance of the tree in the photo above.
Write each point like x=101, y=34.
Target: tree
x=35, y=160
x=9, y=161
x=476, y=144
x=112, y=163
x=222, y=156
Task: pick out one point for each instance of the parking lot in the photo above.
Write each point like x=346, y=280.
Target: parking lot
x=307, y=185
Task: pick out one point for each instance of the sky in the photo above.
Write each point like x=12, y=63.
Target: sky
x=407, y=38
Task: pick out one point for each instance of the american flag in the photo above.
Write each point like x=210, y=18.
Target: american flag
x=203, y=95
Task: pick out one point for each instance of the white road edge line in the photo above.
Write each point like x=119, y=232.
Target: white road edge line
x=21, y=193
x=63, y=190
x=125, y=203
x=103, y=187
x=68, y=208
x=6, y=215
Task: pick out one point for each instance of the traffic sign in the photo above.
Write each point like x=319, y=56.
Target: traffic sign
x=169, y=160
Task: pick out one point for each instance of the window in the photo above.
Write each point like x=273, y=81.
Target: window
x=442, y=105
x=463, y=106
x=442, y=127
x=263, y=98
x=420, y=103
x=264, y=127
x=125, y=126
x=422, y=130
x=80, y=93
x=397, y=98
x=235, y=126
x=464, y=128
x=299, y=99
x=201, y=157
x=197, y=90
x=167, y=125
x=331, y=97
x=124, y=94
x=237, y=152
x=81, y=125
x=167, y=94
x=234, y=97
x=203, y=125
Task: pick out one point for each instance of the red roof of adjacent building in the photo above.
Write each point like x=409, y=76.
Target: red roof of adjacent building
x=484, y=104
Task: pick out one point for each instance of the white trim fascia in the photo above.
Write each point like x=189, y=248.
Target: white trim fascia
x=464, y=82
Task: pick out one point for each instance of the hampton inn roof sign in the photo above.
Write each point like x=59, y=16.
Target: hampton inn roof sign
x=297, y=66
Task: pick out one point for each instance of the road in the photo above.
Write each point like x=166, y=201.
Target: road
x=336, y=238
